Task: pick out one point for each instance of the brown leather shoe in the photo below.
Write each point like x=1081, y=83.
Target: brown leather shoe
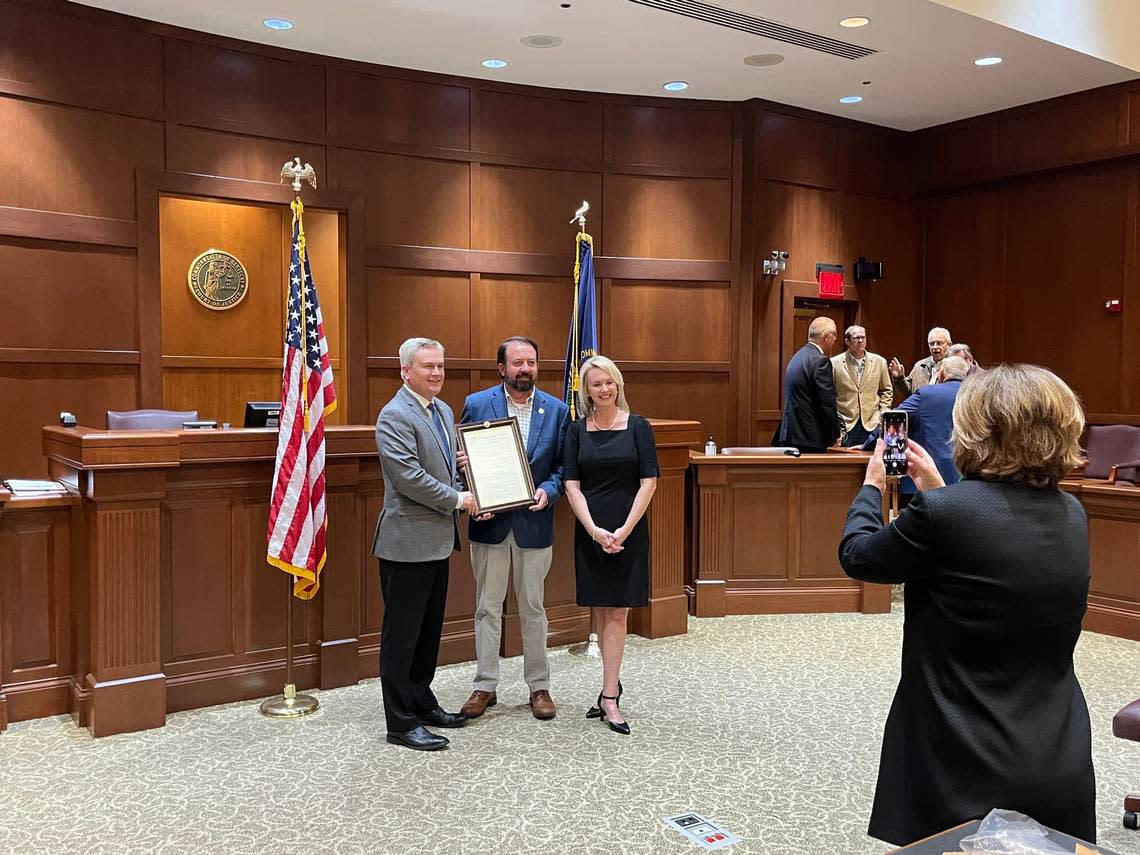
x=478, y=702
x=541, y=704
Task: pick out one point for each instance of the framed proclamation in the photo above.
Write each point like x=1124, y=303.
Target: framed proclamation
x=498, y=474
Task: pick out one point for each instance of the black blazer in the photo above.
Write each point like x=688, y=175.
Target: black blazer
x=988, y=711
x=810, y=418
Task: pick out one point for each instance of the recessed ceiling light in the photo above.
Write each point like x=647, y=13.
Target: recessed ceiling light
x=495, y=63
x=988, y=60
x=763, y=60
x=850, y=99
x=278, y=24
x=857, y=21
x=541, y=41
x=675, y=86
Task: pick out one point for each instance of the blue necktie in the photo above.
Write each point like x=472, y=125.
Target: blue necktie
x=439, y=428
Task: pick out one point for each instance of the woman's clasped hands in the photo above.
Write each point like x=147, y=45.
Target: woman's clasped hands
x=610, y=541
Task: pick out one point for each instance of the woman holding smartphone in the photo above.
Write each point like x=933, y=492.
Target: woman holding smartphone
x=988, y=711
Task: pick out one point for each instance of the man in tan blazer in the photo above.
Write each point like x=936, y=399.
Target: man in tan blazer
x=862, y=387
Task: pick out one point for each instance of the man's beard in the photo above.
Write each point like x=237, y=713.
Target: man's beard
x=521, y=383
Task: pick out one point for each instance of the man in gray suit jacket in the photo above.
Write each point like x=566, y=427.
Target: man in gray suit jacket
x=415, y=535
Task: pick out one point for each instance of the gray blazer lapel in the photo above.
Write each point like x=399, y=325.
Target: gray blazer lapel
x=417, y=409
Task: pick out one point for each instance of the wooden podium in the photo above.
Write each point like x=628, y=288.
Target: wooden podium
x=146, y=590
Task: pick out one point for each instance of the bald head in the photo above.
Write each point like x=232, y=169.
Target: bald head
x=823, y=333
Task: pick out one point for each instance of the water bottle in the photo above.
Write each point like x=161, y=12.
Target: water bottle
x=710, y=445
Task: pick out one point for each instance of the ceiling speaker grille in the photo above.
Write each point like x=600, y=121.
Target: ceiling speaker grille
x=759, y=27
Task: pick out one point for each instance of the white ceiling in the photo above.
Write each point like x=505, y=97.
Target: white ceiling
x=1104, y=28
x=923, y=74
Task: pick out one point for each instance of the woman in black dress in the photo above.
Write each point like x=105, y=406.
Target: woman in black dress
x=988, y=711
x=610, y=473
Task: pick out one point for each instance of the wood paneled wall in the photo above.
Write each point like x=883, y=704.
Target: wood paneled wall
x=467, y=188
x=826, y=191
x=998, y=227
x=1030, y=222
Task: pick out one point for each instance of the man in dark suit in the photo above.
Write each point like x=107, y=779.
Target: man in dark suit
x=522, y=539
x=810, y=421
x=415, y=535
x=930, y=418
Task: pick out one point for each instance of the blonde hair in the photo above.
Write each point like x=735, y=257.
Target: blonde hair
x=1017, y=423
x=606, y=365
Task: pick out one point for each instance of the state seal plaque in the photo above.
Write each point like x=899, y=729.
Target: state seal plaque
x=217, y=280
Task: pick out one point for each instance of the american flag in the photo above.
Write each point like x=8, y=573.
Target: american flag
x=297, y=521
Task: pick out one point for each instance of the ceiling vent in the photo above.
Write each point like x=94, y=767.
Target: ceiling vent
x=758, y=27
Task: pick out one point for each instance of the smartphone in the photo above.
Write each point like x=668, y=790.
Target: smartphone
x=894, y=437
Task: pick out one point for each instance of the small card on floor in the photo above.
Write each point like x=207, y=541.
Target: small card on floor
x=702, y=831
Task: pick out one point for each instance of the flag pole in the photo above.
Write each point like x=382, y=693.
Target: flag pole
x=289, y=704
x=590, y=646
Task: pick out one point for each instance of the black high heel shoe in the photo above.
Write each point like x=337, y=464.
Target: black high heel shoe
x=596, y=712
x=621, y=727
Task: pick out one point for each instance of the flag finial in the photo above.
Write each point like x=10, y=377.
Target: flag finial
x=580, y=215
x=293, y=171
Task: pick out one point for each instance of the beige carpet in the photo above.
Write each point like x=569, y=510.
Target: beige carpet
x=770, y=725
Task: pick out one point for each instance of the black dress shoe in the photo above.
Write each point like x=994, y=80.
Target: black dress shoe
x=596, y=712
x=621, y=727
x=441, y=718
x=419, y=738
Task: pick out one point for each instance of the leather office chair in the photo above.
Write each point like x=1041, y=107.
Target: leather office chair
x=149, y=419
x=1114, y=453
x=1126, y=725
x=762, y=450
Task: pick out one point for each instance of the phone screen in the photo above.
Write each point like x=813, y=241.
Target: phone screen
x=894, y=438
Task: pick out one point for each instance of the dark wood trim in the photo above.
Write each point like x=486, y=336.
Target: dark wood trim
x=744, y=252
x=1112, y=418
x=148, y=288
x=1125, y=87
x=377, y=363
x=469, y=260
x=675, y=367
x=1129, y=370
x=808, y=600
x=535, y=264
x=676, y=269
x=355, y=302
x=1004, y=174
x=372, y=145
x=67, y=228
x=175, y=361
x=60, y=356
x=221, y=362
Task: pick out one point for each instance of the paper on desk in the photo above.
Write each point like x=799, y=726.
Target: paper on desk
x=23, y=485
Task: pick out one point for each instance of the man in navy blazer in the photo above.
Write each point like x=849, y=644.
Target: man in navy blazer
x=930, y=419
x=524, y=538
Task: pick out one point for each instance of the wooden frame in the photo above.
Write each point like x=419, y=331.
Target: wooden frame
x=510, y=425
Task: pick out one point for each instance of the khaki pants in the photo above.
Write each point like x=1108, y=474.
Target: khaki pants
x=492, y=563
